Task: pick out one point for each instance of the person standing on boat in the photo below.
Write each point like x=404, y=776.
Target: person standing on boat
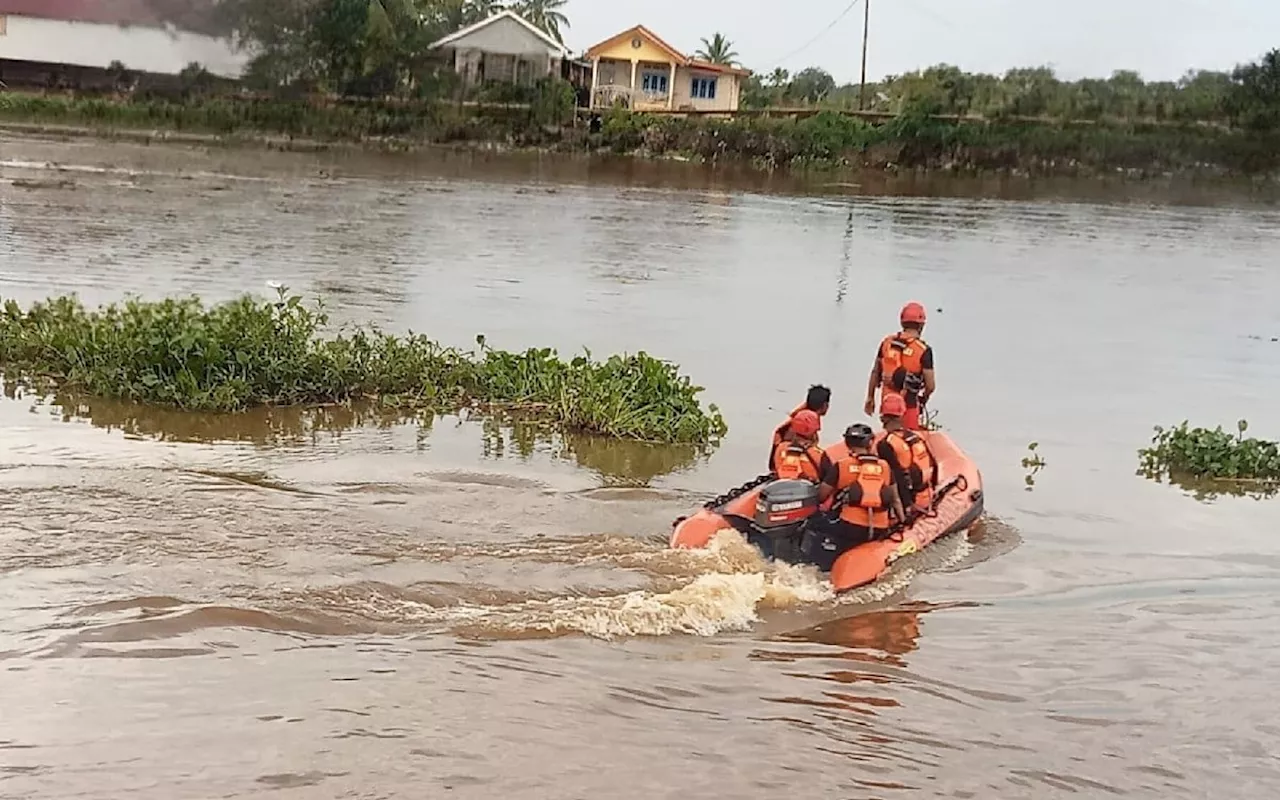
x=818, y=401
x=863, y=486
x=915, y=470
x=904, y=365
x=799, y=456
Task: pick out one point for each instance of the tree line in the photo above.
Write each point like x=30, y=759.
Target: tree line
x=363, y=47
x=381, y=48
x=1247, y=96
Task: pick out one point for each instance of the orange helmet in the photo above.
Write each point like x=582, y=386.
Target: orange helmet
x=806, y=423
x=912, y=312
x=892, y=405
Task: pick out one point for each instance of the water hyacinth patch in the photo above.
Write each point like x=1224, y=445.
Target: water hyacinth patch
x=1186, y=452
x=250, y=352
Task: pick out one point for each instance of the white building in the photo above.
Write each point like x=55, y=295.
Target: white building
x=504, y=47
x=93, y=34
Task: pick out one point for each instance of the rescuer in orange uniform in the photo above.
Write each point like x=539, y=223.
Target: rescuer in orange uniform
x=818, y=401
x=915, y=470
x=798, y=456
x=904, y=365
x=865, y=493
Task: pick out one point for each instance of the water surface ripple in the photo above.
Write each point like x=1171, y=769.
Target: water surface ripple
x=344, y=603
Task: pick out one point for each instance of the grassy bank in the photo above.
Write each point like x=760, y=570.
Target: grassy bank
x=251, y=352
x=827, y=140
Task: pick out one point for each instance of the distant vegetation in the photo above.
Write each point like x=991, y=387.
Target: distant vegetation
x=252, y=352
x=717, y=50
x=1247, y=97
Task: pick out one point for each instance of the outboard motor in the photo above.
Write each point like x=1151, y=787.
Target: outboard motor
x=784, y=504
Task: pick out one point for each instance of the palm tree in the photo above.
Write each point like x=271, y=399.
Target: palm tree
x=718, y=51
x=477, y=10
x=545, y=14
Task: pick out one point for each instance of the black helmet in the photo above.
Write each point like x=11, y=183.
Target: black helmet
x=858, y=435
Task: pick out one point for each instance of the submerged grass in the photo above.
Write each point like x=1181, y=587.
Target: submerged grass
x=251, y=352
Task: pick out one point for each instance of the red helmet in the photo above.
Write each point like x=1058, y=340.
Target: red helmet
x=806, y=423
x=912, y=312
x=892, y=405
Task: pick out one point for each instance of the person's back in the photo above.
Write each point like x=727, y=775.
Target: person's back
x=862, y=484
x=818, y=400
x=908, y=454
x=904, y=365
x=865, y=490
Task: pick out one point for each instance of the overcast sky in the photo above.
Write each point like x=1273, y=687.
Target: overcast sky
x=1159, y=38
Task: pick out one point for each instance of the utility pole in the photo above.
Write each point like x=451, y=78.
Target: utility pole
x=866, y=22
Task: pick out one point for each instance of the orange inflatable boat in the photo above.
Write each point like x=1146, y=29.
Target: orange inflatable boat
x=771, y=514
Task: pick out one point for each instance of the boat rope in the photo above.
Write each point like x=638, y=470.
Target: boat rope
x=738, y=491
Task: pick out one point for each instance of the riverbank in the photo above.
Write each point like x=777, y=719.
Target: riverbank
x=825, y=142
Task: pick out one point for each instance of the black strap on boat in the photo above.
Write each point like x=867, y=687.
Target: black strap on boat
x=738, y=491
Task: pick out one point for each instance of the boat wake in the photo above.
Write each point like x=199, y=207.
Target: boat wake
x=725, y=587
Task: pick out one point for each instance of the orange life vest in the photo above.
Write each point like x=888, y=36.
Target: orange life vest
x=793, y=460
x=915, y=459
x=900, y=357
x=865, y=487
x=780, y=432
x=837, y=451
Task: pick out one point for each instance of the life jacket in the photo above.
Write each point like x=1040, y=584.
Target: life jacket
x=865, y=490
x=836, y=451
x=915, y=459
x=780, y=434
x=900, y=357
x=793, y=460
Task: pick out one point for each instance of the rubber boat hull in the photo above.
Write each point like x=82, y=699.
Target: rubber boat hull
x=958, y=506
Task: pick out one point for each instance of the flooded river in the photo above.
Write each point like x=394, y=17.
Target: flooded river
x=354, y=605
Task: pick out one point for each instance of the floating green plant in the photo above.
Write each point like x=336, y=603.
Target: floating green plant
x=1032, y=463
x=1200, y=454
x=252, y=352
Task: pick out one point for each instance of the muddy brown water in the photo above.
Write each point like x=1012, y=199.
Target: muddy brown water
x=342, y=604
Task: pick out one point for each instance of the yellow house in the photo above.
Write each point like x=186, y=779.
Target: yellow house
x=645, y=73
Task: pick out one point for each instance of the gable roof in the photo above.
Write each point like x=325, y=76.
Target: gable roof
x=631, y=33
x=547, y=38
x=676, y=55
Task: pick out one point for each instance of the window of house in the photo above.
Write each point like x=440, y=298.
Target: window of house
x=703, y=89
x=654, y=82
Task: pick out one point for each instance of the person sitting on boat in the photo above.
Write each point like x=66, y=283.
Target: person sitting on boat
x=904, y=365
x=798, y=456
x=915, y=470
x=863, y=486
x=818, y=401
